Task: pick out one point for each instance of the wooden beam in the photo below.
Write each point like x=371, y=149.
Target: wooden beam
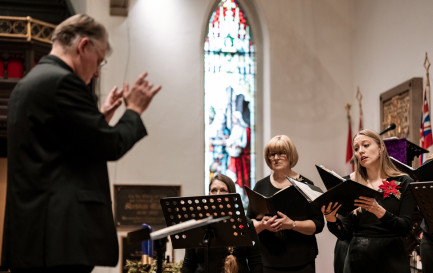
x=119, y=7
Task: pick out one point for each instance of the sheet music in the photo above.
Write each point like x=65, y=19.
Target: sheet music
x=312, y=194
x=332, y=172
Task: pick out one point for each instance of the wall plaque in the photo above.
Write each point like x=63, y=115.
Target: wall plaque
x=402, y=105
x=138, y=204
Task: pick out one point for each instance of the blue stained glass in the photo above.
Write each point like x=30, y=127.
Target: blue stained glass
x=229, y=61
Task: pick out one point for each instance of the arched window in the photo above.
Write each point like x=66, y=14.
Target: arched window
x=229, y=78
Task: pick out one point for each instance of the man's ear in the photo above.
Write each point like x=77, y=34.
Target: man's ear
x=83, y=43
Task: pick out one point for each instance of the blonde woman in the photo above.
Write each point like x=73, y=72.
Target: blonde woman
x=377, y=226
x=288, y=245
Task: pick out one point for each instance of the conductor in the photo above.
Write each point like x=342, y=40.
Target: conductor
x=58, y=206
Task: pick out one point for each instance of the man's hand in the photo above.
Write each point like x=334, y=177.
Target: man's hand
x=140, y=95
x=111, y=103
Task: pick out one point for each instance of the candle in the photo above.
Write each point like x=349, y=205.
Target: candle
x=146, y=247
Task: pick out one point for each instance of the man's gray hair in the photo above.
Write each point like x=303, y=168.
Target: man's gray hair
x=80, y=25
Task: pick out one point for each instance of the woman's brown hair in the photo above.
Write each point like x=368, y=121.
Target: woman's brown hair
x=226, y=180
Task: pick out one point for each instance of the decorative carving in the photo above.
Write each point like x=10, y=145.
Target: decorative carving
x=401, y=105
x=18, y=27
x=397, y=110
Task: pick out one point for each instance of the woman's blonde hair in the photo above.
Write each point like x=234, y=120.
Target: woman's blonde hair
x=230, y=263
x=387, y=168
x=281, y=143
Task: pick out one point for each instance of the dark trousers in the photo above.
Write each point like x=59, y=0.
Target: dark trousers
x=56, y=269
x=427, y=252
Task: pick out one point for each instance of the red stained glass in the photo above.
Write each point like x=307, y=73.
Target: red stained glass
x=229, y=59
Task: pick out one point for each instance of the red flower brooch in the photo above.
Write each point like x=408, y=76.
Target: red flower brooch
x=390, y=187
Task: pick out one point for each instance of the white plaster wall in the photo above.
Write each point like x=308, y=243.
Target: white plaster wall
x=164, y=39
x=392, y=37
x=310, y=59
x=305, y=78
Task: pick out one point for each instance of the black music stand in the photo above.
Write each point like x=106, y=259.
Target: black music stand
x=233, y=230
x=160, y=237
x=423, y=192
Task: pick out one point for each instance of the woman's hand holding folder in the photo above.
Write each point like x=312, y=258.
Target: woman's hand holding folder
x=330, y=211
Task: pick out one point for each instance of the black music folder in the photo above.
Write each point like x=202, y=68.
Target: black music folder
x=292, y=201
x=344, y=192
x=422, y=173
x=328, y=177
x=423, y=192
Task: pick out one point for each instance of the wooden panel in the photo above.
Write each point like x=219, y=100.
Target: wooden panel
x=402, y=106
x=119, y=7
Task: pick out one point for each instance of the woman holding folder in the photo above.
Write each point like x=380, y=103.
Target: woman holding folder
x=287, y=245
x=224, y=260
x=377, y=226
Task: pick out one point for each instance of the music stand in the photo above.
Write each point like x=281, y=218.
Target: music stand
x=233, y=230
x=423, y=192
x=403, y=150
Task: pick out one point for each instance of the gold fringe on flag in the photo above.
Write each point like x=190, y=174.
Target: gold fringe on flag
x=361, y=114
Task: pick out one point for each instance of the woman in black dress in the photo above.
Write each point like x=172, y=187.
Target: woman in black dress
x=377, y=226
x=287, y=245
x=224, y=260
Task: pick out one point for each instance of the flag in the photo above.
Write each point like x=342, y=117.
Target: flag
x=426, y=140
x=349, y=150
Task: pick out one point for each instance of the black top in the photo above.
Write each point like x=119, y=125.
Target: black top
x=247, y=258
x=377, y=245
x=287, y=248
x=395, y=223
x=58, y=208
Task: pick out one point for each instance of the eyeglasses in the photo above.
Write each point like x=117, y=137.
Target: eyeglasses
x=101, y=64
x=281, y=155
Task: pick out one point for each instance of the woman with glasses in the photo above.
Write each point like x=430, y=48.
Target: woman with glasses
x=287, y=245
x=224, y=260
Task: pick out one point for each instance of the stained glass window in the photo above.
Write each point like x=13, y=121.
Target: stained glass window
x=229, y=60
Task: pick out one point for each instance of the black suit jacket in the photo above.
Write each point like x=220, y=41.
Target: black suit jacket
x=58, y=205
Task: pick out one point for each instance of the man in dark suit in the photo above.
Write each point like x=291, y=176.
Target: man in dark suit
x=58, y=210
